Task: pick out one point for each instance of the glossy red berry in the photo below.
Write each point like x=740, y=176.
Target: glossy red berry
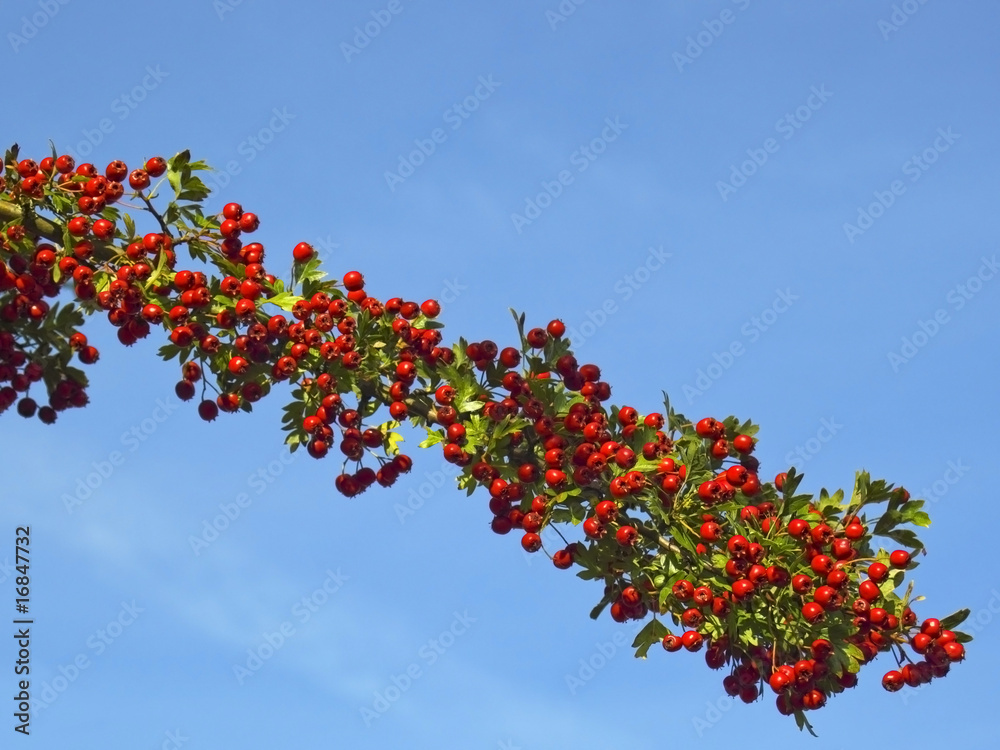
x=892, y=681
x=626, y=536
x=692, y=640
x=900, y=558
x=353, y=281
x=138, y=179
x=156, y=166
x=531, y=542
x=812, y=612
x=302, y=252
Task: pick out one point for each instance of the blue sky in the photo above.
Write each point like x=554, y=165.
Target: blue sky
x=673, y=181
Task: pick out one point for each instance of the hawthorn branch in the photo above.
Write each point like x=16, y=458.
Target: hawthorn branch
x=31, y=222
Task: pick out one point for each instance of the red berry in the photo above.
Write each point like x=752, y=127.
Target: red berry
x=877, y=572
x=931, y=627
x=531, y=542
x=537, y=338
x=955, y=651
x=709, y=428
x=156, y=166
x=683, y=590
x=626, y=536
x=353, y=281
x=737, y=475
x=812, y=611
x=139, y=180
x=672, y=643
x=742, y=588
x=302, y=252
x=692, y=640
x=892, y=681
x=710, y=531
x=854, y=531
x=606, y=511
x=899, y=558
x=563, y=559
x=869, y=591
x=208, y=410
x=720, y=449
x=249, y=222
x=737, y=545
x=798, y=528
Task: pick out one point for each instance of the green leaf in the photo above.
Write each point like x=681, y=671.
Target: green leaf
x=392, y=441
x=653, y=632
x=176, y=167
x=802, y=723
x=194, y=189
x=169, y=351
x=285, y=300
x=889, y=520
x=954, y=619
x=433, y=438
x=906, y=538
x=596, y=611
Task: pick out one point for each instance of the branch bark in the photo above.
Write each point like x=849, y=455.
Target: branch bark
x=36, y=225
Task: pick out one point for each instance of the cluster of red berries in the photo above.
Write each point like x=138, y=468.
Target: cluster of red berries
x=674, y=517
x=20, y=372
